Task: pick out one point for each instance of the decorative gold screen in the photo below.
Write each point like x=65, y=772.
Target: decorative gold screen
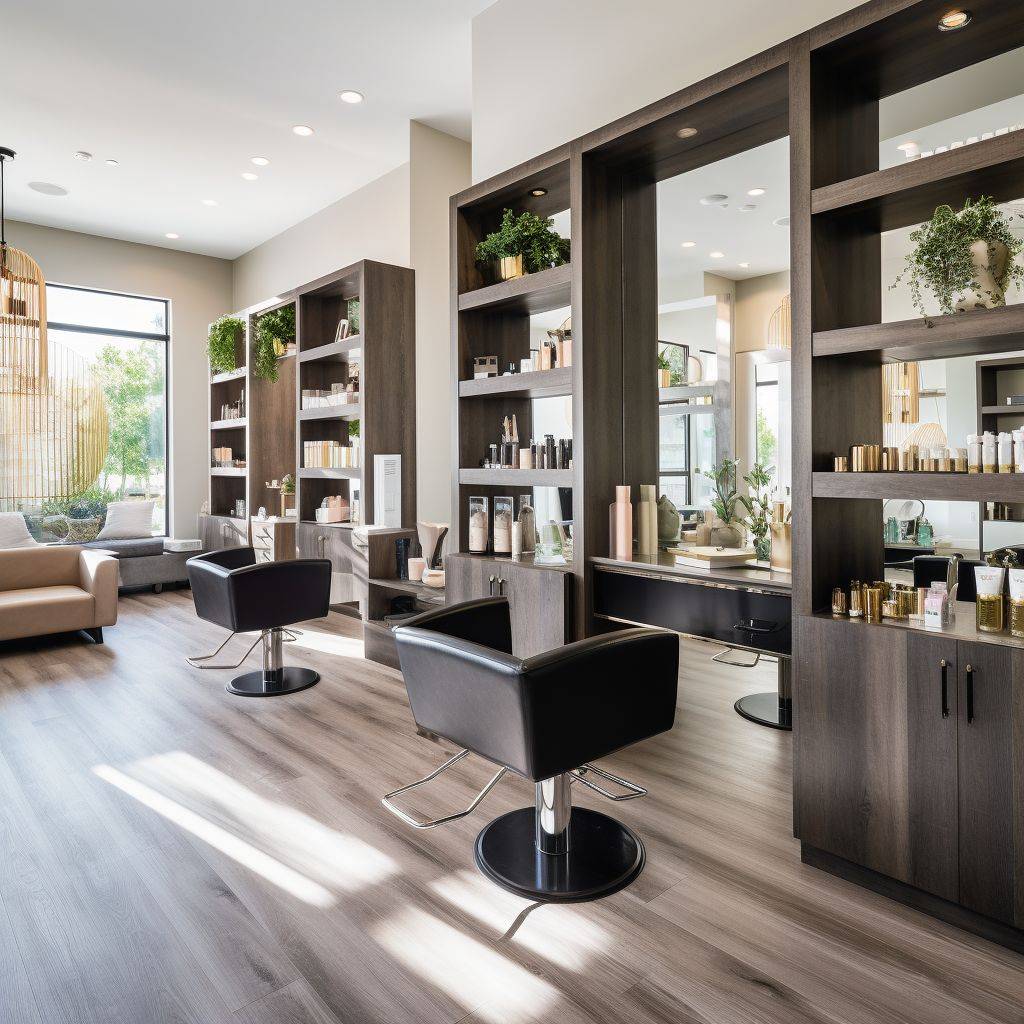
x=901, y=393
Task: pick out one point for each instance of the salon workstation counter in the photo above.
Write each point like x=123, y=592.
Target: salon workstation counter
x=743, y=609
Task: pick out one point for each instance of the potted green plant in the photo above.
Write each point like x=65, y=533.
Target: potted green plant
x=523, y=244
x=664, y=371
x=287, y=493
x=965, y=258
x=726, y=532
x=274, y=331
x=758, y=504
x=221, y=343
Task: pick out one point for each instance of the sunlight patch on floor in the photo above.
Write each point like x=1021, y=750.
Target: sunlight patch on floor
x=475, y=976
x=329, y=643
x=220, y=839
x=560, y=934
x=335, y=859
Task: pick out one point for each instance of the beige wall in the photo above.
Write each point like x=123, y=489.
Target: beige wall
x=439, y=167
x=199, y=288
x=371, y=223
x=756, y=299
x=611, y=59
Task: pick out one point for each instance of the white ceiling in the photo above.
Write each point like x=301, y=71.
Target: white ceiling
x=184, y=94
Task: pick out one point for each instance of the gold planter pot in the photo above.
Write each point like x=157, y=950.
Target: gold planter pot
x=508, y=267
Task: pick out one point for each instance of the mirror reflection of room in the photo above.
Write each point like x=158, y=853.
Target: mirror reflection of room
x=724, y=342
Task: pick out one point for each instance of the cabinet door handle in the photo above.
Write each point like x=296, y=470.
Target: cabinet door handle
x=945, y=689
x=490, y=587
x=501, y=586
x=970, y=694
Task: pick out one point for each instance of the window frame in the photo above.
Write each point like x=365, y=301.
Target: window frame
x=113, y=332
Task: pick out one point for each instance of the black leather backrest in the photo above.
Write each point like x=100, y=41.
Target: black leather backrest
x=486, y=621
x=208, y=576
x=468, y=693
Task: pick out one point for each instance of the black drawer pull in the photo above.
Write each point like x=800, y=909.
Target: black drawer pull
x=970, y=694
x=492, y=579
x=945, y=689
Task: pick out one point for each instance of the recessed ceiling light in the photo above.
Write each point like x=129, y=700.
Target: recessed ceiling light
x=249, y=176
x=350, y=96
x=302, y=129
x=716, y=255
x=744, y=266
x=757, y=190
x=688, y=245
x=260, y=161
x=715, y=199
x=209, y=202
x=747, y=208
x=112, y=163
x=687, y=133
x=47, y=188
x=954, y=20
x=781, y=222
x=538, y=192
x=171, y=234
x=83, y=156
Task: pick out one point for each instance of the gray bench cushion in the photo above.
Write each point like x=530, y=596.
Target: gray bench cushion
x=134, y=548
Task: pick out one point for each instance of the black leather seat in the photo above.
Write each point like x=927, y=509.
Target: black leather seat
x=929, y=569
x=545, y=718
x=231, y=589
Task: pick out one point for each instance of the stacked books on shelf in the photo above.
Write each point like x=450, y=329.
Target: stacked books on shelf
x=339, y=394
x=329, y=455
x=223, y=458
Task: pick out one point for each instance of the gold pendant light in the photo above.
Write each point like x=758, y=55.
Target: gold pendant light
x=780, y=326
x=54, y=429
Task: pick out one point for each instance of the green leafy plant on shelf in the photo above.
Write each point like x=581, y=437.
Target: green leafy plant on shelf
x=352, y=316
x=527, y=235
x=966, y=258
x=758, y=504
x=220, y=343
x=273, y=331
x=725, y=499
x=353, y=430
x=287, y=484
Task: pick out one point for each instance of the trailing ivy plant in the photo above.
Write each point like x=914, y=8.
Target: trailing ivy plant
x=220, y=343
x=941, y=260
x=277, y=325
x=528, y=235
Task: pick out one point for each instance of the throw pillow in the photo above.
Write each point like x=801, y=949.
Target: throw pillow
x=14, y=531
x=128, y=520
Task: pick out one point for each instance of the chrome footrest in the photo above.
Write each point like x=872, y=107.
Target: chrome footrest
x=434, y=822
x=195, y=659
x=633, y=791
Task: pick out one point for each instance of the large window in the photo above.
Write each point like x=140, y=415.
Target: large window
x=772, y=428
x=122, y=339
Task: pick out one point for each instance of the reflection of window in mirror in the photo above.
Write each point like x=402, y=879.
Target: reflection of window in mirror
x=723, y=287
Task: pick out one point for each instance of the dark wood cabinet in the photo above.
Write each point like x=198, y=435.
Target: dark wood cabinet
x=540, y=597
x=910, y=749
x=985, y=754
x=217, y=532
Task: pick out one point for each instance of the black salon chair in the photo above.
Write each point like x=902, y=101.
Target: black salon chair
x=545, y=718
x=231, y=589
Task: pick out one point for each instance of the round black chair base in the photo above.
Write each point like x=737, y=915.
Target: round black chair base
x=291, y=680
x=604, y=856
x=765, y=709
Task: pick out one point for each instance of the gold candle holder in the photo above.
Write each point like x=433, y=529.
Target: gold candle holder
x=841, y=464
x=839, y=605
x=856, y=600
x=873, y=604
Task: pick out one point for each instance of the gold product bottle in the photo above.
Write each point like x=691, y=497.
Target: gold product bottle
x=873, y=604
x=989, y=610
x=1017, y=618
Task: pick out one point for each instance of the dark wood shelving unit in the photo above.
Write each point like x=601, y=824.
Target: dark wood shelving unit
x=533, y=293
x=943, y=337
x=344, y=351
x=909, y=192
x=535, y=384
x=931, y=486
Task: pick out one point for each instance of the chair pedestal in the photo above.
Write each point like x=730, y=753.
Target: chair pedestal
x=274, y=679
x=555, y=853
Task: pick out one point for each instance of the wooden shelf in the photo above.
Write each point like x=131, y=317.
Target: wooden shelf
x=535, y=384
x=349, y=411
x=974, y=333
x=237, y=424
x=345, y=351
x=517, y=477
x=222, y=378
x=227, y=471
x=433, y=595
x=340, y=473
x=931, y=486
x=667, y=396
x=1002, y=410
x=534, y=293
x=909, y=192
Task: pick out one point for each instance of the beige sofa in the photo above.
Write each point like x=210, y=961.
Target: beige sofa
x=56, y=590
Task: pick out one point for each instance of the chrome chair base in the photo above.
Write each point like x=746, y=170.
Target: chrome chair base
x=273, y=684
x=603, y=856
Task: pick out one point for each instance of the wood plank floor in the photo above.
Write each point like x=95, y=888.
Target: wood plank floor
x=170, y=853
